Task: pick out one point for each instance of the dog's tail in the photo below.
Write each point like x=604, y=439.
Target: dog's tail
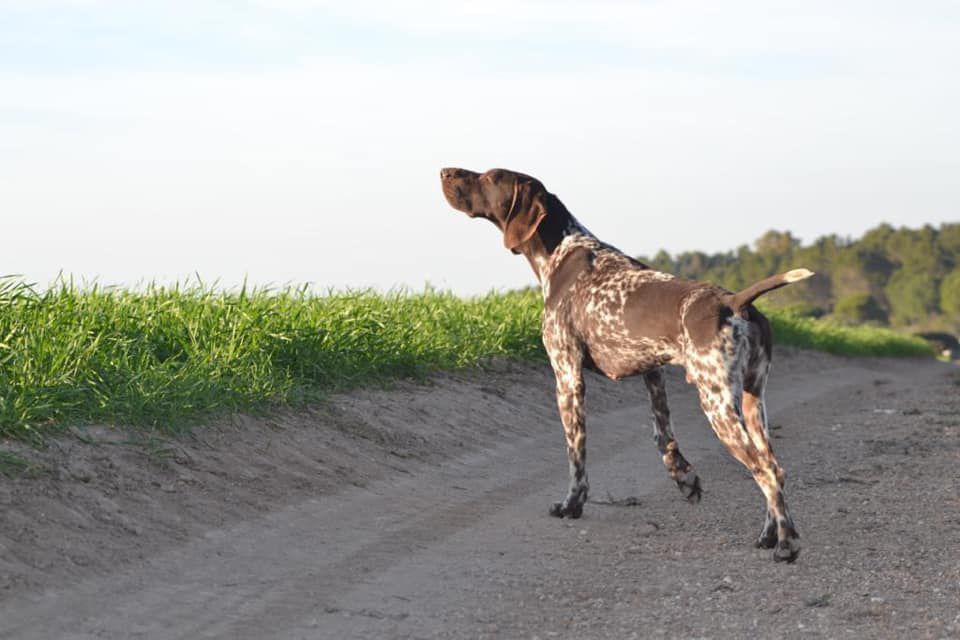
x=741, y=299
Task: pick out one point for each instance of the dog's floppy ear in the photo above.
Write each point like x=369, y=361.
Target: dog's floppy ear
x=526, y=213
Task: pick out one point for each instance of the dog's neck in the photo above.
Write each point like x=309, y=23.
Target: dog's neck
x=542, y=248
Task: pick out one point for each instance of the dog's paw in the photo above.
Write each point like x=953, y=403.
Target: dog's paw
x=787, y=550
x=768, y=537
x=566, y=509
x=689, y=484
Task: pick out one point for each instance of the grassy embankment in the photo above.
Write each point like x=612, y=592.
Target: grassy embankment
x=166, y=356
x=826, y=336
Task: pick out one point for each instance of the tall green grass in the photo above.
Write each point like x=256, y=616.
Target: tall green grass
x=163, y=356
x=808, y=333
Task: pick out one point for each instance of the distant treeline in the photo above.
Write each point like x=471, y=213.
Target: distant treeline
x=898, y=277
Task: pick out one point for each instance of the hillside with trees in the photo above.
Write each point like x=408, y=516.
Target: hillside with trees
x=904, y=278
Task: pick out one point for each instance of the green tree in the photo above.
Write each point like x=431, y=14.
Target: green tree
x=949, y=240
x=888, y=273
x=848, y=274
x=858, y=308
x=917, y=250
x=777, y=243
x=912, y=295
x=663, y=262
x=876, y=239
x=950, y=295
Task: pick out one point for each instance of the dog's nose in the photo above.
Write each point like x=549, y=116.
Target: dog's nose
x=446, y=173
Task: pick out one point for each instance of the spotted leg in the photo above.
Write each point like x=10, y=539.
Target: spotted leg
x=570, y=393
x=719, y=376
x=755, y=418
x=677, y=466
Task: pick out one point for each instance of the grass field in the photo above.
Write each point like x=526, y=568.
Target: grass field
x=166, y=356
x=808, y=333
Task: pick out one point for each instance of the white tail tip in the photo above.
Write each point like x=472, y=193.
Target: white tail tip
x=797, y=274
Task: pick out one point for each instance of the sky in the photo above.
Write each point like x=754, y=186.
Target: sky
x=300, y=141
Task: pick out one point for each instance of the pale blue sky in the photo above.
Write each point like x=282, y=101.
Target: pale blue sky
x=300, y=141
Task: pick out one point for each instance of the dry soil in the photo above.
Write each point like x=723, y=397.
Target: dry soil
x=421, y=512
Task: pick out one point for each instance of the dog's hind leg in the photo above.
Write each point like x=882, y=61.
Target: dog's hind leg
x=755, y=419
x=755, y=412
x=720, y=376
x=677, y=466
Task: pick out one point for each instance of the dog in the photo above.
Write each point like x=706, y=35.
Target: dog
x=609, y=313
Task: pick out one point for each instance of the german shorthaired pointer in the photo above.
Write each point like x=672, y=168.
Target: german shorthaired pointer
x=612, y=314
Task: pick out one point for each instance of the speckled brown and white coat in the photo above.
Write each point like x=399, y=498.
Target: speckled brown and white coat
x=607, y=312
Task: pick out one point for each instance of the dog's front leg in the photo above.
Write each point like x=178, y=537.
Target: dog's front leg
x=570, y=393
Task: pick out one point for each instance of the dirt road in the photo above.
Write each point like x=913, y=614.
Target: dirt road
x=421, y=512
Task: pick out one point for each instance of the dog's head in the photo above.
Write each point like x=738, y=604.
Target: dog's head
x=515, y=202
